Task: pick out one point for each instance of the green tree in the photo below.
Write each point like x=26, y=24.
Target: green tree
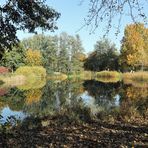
x=105, y=56
x=24, y=15
x=63, y=53
x=48, y=45
x=76, y=51
x=14, y=58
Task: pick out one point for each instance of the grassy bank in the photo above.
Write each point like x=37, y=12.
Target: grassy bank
x=32, y=74
x=108, y=76
x=103, y=76
x=26, y=76
x=138, y=79
x=136, y=76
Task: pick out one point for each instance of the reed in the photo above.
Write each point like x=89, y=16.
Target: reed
x=136, y=76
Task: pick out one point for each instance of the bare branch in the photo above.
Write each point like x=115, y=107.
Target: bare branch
x=109, y=10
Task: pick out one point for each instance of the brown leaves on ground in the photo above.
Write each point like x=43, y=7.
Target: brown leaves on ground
x=58, y=132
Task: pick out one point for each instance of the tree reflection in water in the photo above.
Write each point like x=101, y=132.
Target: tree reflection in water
x=81, y=101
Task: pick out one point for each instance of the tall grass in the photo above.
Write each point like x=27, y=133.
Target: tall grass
x=104, y=76
x=136, y=76
x=137, y=79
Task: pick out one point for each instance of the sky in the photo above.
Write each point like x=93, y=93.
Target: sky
x=72, y=19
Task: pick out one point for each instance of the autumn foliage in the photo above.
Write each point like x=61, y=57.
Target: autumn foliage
x=33, y=58
x=4, y=70
x=134, y=50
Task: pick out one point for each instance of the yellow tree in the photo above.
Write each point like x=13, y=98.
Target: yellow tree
x=134, y=51
x=33, y=57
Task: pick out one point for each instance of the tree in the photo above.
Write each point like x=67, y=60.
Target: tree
x=134, y=50
x=14, y=58
x=76, y=54
x=104, y=57
x=108, y=10
x=33, y=58
x=48, y=45
x=24, y=15
x=63, y=53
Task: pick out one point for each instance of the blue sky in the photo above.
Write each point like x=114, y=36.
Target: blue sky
x=72, y=18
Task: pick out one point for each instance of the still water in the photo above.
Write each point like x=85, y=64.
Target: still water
x=80, y=100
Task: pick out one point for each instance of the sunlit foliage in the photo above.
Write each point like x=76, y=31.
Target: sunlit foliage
x=33, y=58
x=134, y=51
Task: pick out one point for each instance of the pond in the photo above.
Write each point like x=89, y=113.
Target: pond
x=80, y=100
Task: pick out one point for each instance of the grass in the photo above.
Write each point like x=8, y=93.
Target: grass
x=136, y=76
x=138, y=79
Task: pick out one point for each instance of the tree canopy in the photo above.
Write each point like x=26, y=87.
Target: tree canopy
x=104, y=57
x=24, y=15
x=63, y=53
x=134, y=51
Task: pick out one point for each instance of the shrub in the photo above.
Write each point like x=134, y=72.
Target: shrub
x=108, y=74
x=4, y=70
x=29, y=71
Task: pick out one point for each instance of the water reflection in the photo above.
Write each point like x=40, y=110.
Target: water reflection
x=79, y=100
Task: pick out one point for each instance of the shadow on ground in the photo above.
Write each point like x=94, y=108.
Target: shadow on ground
x=61, y=132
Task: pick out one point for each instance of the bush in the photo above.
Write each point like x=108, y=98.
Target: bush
x=108, y=74
x=29, y=71
x=4, y=70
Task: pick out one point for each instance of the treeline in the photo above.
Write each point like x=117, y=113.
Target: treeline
x=63, y=53
x=133, y=54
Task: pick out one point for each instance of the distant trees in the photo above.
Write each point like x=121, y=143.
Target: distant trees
x=63, y=53
x=24, y=15
x=105, y=56
x=133, y=54
x=134, y=50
